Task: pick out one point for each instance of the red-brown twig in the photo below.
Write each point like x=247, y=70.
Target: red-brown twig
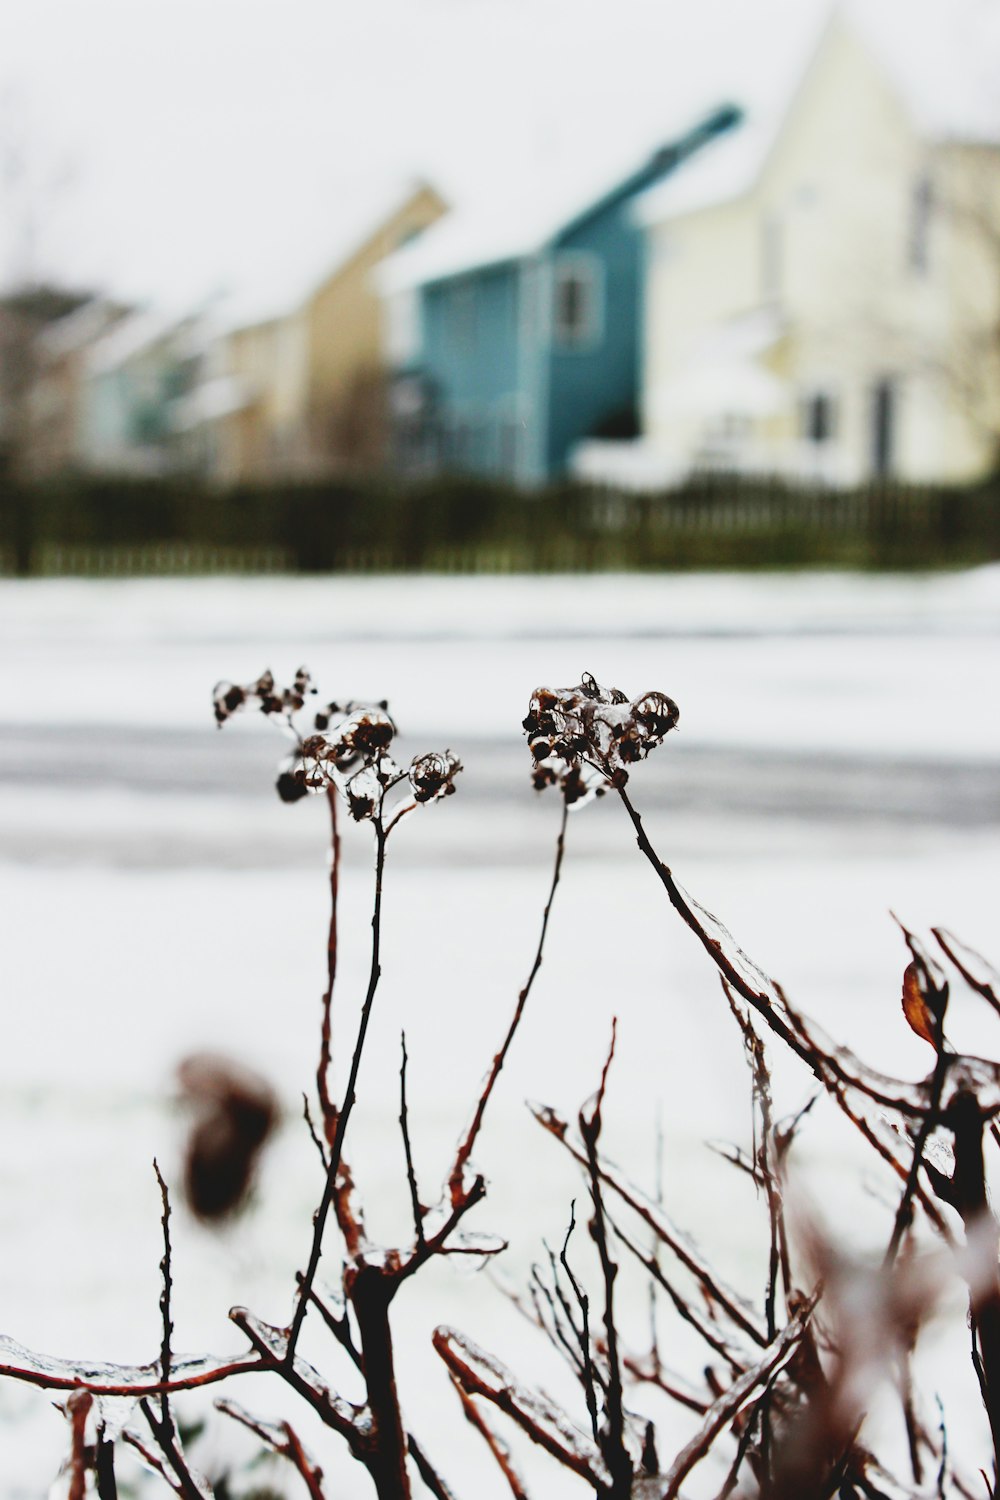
x=283, y=1440
x=168, y=1327
x=658, y=1221
x=411, y=1176
x=613, y=1446
x=464, y=1151
x=344, y=1113
x=498, y=1448
x=166, y=1439
x=545, y=1423
x=326, y=1104
x=731, y=1402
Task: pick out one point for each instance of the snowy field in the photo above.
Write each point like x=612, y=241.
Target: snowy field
x=837, y=757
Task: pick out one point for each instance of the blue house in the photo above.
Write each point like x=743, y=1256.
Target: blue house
x=514, y=333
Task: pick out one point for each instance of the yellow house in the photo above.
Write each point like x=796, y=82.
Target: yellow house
x=297, y=390
x=345, y=376
x=823, y=282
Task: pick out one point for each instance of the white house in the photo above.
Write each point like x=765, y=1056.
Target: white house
x=823, y=283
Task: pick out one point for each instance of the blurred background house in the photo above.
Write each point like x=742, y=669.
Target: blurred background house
x=514, y=328
x=299, y=390
x=823, y=281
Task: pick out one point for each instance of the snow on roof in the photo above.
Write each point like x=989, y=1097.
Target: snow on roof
x=941, y=58
x=519, y=218
x=724, y=169
x=78, y=328
x=131, y=336
x=282, y=269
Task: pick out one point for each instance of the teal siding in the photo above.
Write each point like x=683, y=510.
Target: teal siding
x=595, y=388
x=502, y=395
x=470, y=358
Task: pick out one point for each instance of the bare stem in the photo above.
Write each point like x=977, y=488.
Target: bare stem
x=326, y=1104
x=411, y=1176
x=466, y=1147
x=344, y=1114
x=168, y=1327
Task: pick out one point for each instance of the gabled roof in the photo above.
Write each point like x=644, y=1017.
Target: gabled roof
x=941, y=59
x=531, y=215
x=286, y=270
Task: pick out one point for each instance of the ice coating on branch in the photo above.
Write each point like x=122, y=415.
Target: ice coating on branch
x=583, y=738
x=113, y=1413
x=275, y=1342
x=68, y=1373
x=499, y=1384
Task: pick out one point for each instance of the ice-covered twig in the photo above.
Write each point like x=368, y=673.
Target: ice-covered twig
x=465, y=1148
x=658, y=1221
x=282, y=1439
x=736, y=1359
x=612, y=1437
x=189, y=1372
x=583, y=1334
x=411, y=1176
x=351, y=1421
x=344, y=1113
x=544, y=1422
x=498, y=1448
x=722, y=1412
x=168, y=1326
x=187, y=1485
x=985, y=982
x=326, y=1104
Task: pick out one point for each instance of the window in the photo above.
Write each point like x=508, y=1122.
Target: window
x=884, y=402
x=576, y=301
x=771, y=257
x=819, y=417
x=921, y=207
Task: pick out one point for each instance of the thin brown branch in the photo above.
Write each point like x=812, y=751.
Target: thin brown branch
x=722, y=1412
x=948, y=945
x=166, y=1439
x=664, y=1380
x=466, y=1147
x=613, y=1446
x=344, y=1113
x=820, y=1056
x=283, y=1440
x=411, y=1176
x=658, y=1221
x=48, y=1380
x=498, y=1448
x=547, y=1426
x=168, y=1327
x=430, y=1476
x=153, y=1460
x=326, y=1104
x=313, y=1132
x=683, y=1308
x=583, y=1302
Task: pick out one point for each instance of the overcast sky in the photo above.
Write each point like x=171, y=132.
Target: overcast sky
x=172, y=149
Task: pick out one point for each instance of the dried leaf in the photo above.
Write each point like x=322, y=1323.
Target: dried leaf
x=915, y=1008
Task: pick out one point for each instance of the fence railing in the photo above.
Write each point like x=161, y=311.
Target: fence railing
x=121, y=528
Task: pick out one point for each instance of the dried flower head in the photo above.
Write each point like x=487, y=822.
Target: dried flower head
x=432, y=776
x=347, y=749
x=235, y=1112
x=228, y=697
x=583, y=738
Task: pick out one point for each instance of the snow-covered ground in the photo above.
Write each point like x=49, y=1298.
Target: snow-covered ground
x=838, y=756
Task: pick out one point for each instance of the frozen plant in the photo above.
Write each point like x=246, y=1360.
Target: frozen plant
x=777, y=1398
